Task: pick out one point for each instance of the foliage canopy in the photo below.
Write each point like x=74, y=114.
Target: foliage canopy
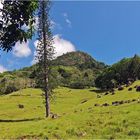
x=17, y=22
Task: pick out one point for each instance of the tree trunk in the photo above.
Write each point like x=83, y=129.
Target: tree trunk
x=47, y=105
x=46, y=68
x=47, y=101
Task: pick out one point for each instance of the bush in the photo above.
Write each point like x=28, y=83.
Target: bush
x=64, y=73
x=77, y=85
x=138, y=88
x=130, y=89
x=120, y=88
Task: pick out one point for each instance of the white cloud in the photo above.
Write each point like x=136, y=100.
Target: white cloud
x=67, y=20
x=61, y=46
x=35, y=44
x=22, y=49
x=1, y=6
x=34, y=61
x=2, y=69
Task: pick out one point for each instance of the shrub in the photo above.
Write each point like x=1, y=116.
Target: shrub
x=130, y=89
x=138, y=88
x=120, y=88
x=77, y=85
x=106, y=93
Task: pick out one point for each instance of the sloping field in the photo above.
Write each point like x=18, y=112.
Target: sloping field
x=22, y=114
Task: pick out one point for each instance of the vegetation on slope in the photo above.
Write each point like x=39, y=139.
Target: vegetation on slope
x=75, y=70
x=125, y=71
x=79, y=59
x=78, y=117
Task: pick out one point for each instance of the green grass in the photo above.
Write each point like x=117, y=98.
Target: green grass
x=76, y=119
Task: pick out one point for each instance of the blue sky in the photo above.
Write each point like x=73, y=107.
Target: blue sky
x=109, y=31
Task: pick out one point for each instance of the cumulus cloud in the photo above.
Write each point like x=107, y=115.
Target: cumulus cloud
x=67, y=20
x=22, y=49
x=61, y=46
x=2, y=69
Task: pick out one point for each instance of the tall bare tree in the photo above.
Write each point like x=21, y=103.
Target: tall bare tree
x=45, y=50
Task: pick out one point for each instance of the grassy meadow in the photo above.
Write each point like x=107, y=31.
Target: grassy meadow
x=78, y=117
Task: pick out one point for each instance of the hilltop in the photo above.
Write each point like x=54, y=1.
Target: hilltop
x=79, y=59
x=74, y=69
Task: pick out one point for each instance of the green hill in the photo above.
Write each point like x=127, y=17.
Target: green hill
x=77, y=115
x=124, y=72
x=79, y=59
x=74, y=69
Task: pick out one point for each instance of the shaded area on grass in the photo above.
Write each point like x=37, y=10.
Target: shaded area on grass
x=21, y=120
x=97, y=90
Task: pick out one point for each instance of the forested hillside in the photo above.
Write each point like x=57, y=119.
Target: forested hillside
x=75, y=70
x=125, y=71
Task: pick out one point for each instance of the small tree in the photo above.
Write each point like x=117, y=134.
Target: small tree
x=44, y=51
